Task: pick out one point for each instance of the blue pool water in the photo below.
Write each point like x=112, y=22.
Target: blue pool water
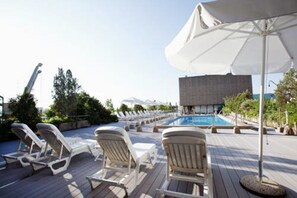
x=198, y=120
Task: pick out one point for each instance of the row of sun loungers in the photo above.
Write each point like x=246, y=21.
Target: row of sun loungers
x=185, y=148
x=54, y=151
x=134, y=119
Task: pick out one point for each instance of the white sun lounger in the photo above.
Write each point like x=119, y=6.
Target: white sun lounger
x=121, y=156
x=187, y=160
x=63, y=149
x=30, y=146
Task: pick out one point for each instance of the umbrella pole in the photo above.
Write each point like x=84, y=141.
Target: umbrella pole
x=261, y=109
x=259, y=185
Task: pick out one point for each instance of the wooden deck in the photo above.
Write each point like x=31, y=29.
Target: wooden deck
x=233, y=156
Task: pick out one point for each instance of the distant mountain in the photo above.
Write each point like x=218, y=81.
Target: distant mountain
x=266, y=96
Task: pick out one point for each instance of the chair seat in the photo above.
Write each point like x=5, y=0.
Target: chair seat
x=142, y=148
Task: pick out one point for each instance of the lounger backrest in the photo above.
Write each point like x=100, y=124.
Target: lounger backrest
x=185, y=149
x=26, y=135
x=118, y=115
x=116, y=145
x=54, y=138
x=122, y=114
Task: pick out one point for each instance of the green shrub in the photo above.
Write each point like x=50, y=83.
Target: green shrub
x=56, y=120
x=5, y=132
x=24, y=110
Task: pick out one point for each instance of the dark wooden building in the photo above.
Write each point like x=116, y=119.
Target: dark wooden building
x=205, y=94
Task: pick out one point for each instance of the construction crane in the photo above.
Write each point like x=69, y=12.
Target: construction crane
x=33, y=78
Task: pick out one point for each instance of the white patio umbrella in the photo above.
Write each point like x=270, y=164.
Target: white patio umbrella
x=150, y=102
x=133, y=101
x=239, y=37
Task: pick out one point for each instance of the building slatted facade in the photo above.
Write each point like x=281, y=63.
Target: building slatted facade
x=205, y=94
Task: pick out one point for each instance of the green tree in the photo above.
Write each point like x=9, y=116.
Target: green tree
x=64, y=93
x=286, y=96
x=271, y=112
x=24, y=110
x=72, y=88
x=138, y=107
x=152, y=107
x=233, y=103
x=124, y=108
x=96, y=112
x=250, y=108
x=109, y=105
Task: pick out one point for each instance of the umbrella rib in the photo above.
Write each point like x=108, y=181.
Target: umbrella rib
x=240, y=31
x=284, y=46
x=211, y=47
x=257, y=26
x=279, y=27
x=227, y=37
x=287, y=27
x=245, y=31
x=241, y=48
x=273, y=21
x=211, y=30
x=279, y=35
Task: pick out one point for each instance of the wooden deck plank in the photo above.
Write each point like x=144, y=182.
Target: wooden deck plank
x=236, y=173
x=14, y=172
x=276, y=167
x=52, y=184
x=150, y=179
x=218, y=183
x=221, y=162
x=233, y=156
x=76, y=180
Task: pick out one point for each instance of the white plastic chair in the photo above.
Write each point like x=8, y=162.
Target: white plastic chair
x=63, y=149
x=30, y=146
x=120, y=155
x=187, y=160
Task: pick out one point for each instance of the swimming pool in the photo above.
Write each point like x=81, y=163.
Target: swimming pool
x=199, y=121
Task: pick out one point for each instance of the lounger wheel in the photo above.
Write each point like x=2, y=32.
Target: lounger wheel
x=27, y=163
x=60, y=169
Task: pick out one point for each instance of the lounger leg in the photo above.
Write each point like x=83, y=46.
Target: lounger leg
x=155, y=157
x=163, y=189
x=97, y=152
x=9, y=160
x=210, y=184
x=37, y=166
x=61, y=169
x=94, y=179
x=24, y=163
x=134, y=175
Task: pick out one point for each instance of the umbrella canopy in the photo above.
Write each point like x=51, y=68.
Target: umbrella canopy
x=226, y=37
x=150, y=102
x=239, y=37
x=160, y=102
x=154, y=103
x=133, y=101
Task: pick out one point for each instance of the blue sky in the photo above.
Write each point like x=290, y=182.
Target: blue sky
x=114, y=48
